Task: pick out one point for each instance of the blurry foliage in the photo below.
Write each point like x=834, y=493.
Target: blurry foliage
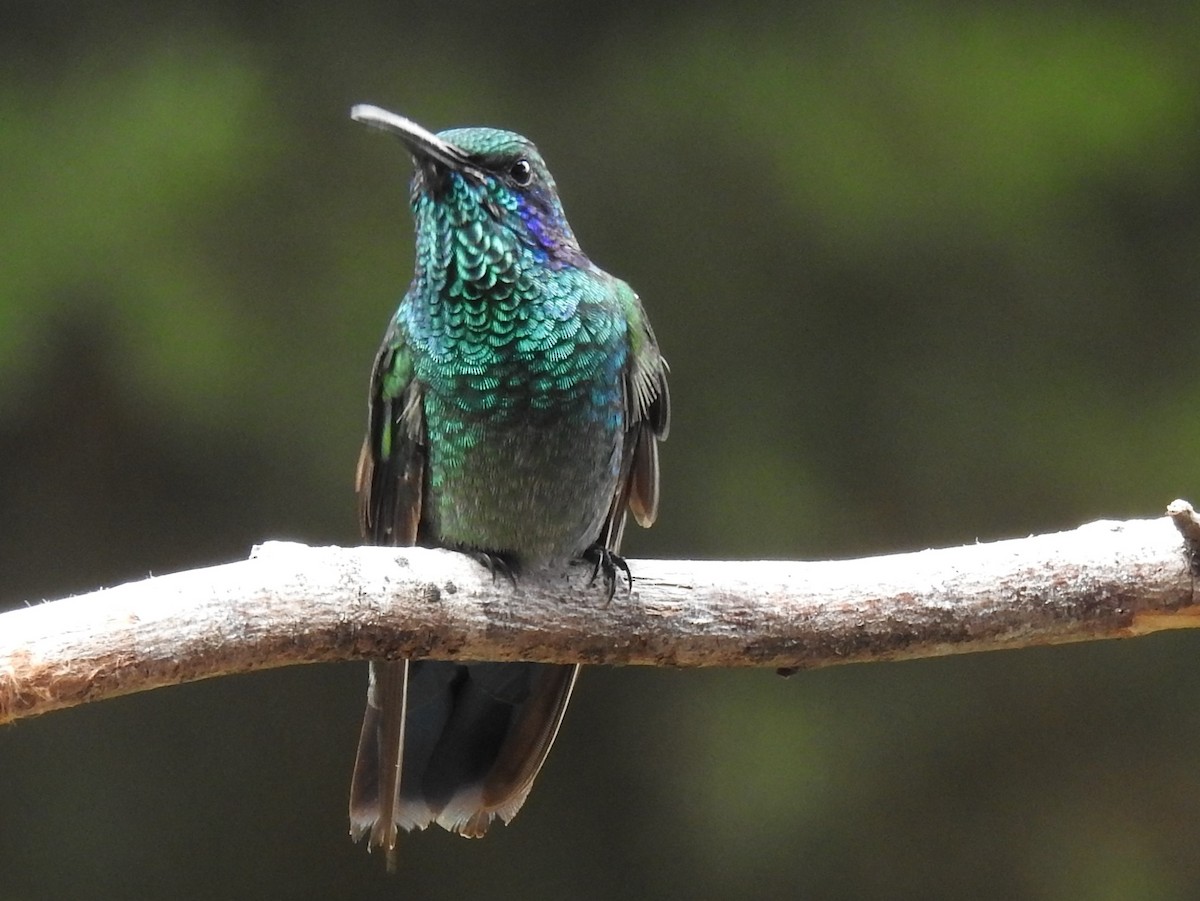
x=924, y=273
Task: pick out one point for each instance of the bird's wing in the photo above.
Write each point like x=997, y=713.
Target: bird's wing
x=390, y=482
x=391, y=467
x=648, y=420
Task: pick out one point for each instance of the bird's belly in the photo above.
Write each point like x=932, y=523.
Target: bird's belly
x=533, y=484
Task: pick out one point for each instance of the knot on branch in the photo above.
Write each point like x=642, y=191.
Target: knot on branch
x=1187, y=521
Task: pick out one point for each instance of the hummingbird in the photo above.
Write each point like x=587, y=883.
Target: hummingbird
x=515, y=411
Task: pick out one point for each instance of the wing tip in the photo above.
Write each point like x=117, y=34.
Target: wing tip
x=643, y=481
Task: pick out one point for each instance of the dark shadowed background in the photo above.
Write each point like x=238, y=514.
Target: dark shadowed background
x=924, y=276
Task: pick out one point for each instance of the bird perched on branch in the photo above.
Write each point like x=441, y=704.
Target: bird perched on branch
x=516, y=406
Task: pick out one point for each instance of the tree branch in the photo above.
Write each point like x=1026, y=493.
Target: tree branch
x=295, y=604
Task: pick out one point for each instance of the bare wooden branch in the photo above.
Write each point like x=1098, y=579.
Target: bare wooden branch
x=295, y=604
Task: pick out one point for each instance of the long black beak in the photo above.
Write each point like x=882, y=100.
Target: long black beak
x=423, y=144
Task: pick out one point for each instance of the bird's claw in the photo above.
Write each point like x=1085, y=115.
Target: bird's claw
x=607, y=562
x=497, y=566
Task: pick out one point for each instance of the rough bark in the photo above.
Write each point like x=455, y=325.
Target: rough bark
x=293, y=604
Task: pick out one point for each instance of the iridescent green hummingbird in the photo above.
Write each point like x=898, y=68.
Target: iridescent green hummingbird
x=515, y=411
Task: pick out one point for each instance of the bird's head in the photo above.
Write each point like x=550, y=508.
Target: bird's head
x=489, y=184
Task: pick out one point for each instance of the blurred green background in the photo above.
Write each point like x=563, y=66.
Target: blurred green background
x=925, y=273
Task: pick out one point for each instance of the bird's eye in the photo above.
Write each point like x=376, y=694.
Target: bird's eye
x=521, y=172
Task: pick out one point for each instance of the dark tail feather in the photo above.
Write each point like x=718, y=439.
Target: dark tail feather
x=472, y=738
x=375, y=788
x=501, y=721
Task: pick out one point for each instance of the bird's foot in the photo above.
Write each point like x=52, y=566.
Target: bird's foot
x=606, y=562
x=497, y=565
